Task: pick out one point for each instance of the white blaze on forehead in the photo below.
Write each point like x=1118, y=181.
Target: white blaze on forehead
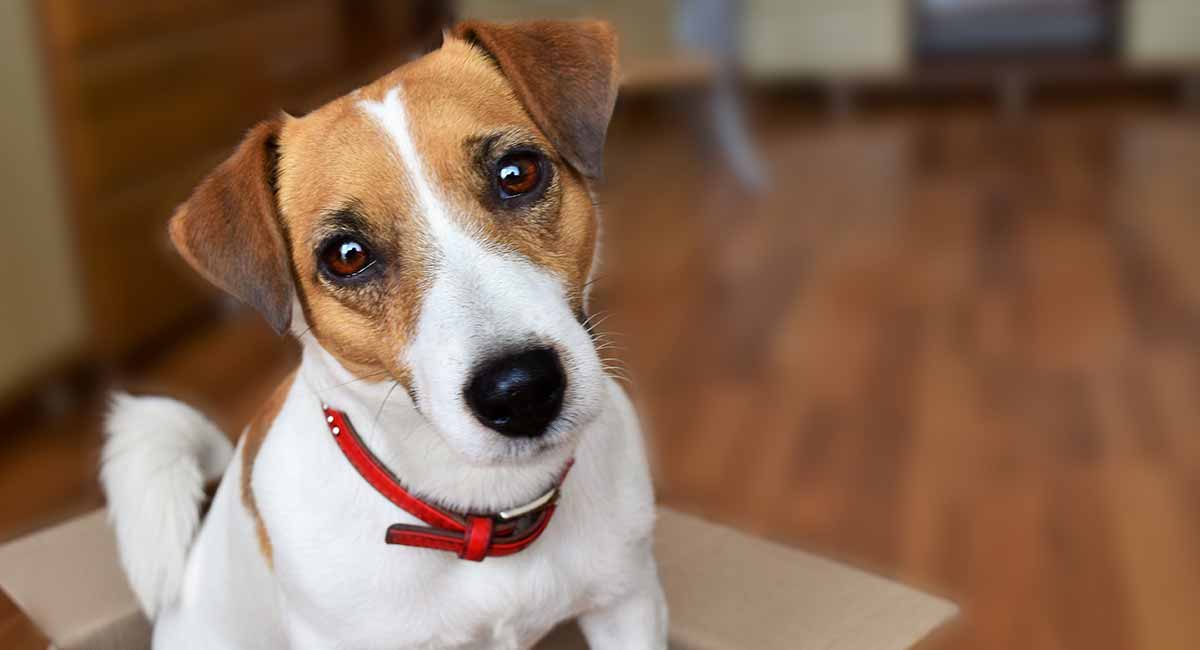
x=483, y=299
x=393, y=118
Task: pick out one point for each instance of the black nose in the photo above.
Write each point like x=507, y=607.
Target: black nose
x=518, y=395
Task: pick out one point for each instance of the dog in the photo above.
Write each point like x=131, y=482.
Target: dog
x=449, y=466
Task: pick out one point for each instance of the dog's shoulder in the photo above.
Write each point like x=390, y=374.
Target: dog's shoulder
x=252, y=441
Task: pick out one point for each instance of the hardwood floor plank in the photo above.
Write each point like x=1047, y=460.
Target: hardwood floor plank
x=1089, y=608
x=1173, y=376
x=1010, y=573
x=1156, y=547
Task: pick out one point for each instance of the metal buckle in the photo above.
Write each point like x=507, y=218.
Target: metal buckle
x=537, y=504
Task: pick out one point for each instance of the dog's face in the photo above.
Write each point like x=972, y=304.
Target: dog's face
x=436, y=227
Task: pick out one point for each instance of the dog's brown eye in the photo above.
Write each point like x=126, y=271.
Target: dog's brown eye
x=518, y=173
x=345, y=257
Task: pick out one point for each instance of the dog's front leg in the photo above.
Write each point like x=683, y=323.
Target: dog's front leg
x=637, y=621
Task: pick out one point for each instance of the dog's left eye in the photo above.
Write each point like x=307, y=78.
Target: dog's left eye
x=518, y=173
x=345, y=257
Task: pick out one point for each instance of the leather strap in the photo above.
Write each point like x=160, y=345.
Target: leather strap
x=470, y=536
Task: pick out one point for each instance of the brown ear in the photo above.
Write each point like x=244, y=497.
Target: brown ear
x=564, y=72
x=229, y=229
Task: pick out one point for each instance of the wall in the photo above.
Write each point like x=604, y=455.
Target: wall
x=790, y=38
x=1163, y=31
x=43, y=318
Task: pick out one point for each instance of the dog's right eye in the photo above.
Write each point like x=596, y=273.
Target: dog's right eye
x=517, y=174
x=345, y=257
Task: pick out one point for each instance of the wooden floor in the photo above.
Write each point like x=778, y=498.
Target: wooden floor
x=961, y=352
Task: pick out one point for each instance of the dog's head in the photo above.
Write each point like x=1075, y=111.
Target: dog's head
x=436, y=227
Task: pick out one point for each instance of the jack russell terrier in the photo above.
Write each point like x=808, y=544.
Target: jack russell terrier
x=450, y=466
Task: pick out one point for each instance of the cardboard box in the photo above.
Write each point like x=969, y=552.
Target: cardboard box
x=726, y=591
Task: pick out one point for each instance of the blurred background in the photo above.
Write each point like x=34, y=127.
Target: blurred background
x=915, y=285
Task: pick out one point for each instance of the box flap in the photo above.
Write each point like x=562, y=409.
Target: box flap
x=17, y=631
x=726, y=591
x=729, y=590
x=68, y=580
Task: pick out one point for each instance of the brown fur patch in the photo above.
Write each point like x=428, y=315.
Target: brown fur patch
x=255, y=434
x=336, y=160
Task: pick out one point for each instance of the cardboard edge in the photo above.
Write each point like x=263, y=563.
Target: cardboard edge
x=17, y=630
x=910, y=614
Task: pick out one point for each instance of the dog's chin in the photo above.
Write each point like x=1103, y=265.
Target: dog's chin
x=480, y=446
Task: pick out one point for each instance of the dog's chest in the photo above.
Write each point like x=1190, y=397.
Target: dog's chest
x=334, y=568
x=336, y=574
x=417, y=598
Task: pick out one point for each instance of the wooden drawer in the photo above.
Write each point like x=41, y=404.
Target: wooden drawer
x=139, y=287
x=137, y=281
x=90, y=24
x=166, y=100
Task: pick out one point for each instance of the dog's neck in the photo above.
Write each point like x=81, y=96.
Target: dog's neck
x=391, y=426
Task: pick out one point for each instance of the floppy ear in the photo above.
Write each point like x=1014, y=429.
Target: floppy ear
x=564, y=72
x=229, y=229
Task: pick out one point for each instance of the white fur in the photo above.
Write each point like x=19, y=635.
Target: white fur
x=158, y=454
x=334, y=583
x=393, y=117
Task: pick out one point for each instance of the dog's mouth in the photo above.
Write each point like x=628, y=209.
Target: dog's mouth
x=506, y=451
x=513, y=451
x=511, y=401
x=479, y=444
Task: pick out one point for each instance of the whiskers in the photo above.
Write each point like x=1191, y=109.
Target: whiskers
x=616, y=369
x=587, y=286
x=366, y=377
x=324, y=389
x=612, y=366
x=379, y=411
x=591, y=323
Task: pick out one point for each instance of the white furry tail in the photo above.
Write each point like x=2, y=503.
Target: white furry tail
x=157, y=457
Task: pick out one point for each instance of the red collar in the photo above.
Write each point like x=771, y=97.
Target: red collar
x=472, y=536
